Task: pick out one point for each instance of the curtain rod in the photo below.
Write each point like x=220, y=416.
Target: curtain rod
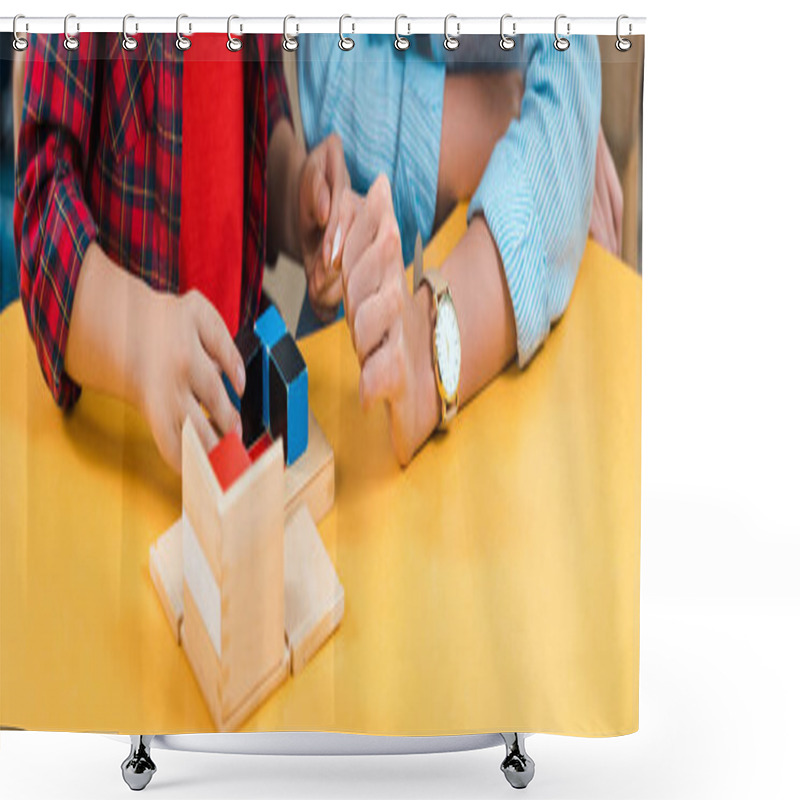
x=457, y=26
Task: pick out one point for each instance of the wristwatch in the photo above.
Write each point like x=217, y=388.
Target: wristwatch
x=446, y=343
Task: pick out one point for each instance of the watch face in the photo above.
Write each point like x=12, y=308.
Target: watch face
x=448, y=346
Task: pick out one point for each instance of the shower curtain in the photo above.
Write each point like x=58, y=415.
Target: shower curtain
x=320, y=384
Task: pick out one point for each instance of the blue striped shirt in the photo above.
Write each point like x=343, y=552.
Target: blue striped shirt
x=537, y=189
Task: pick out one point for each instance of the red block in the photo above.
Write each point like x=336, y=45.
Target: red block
x=260, y=446
x=229, y=460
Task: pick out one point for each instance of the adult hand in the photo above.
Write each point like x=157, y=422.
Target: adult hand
x=325, y=215
x=187, y=348
x=390, y=328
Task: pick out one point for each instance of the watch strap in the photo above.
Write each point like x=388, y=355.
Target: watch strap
x=436, y=281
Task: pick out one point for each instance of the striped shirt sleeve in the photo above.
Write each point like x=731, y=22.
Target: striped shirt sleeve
x=388, y=110
x=536, y=192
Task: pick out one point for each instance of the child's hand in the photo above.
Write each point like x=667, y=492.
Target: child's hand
x=325, y=215
x=187, y=347
x=390, y=329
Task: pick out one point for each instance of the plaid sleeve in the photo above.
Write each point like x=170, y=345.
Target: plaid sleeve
x=53, y=225
x=277, y=94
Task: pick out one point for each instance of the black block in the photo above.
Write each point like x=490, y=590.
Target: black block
x=249, y=347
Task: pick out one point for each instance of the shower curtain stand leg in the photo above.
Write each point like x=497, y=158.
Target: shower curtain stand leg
x=138, y=768
x=517, y=766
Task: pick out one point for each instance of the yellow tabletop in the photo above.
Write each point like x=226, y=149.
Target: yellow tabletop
x=491, y=585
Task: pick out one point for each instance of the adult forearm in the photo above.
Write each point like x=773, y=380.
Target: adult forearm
x=478, y=108
x=106, y=328
x=474, y=272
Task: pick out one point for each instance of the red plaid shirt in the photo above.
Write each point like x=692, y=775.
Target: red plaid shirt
x=100, y=159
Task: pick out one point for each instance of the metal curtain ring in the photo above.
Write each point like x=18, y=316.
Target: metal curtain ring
x=234, y=44
x=623, y=45
x=181, y=42
x=289, y=41
x=400, y=42
x=19, y=44
x=345, y=42
x=128, y=42
x=451, y=42
x=507, y=42
x=70, y=42
x=560, y=42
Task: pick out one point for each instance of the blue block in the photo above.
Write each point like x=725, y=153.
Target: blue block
x=270, y=329
x=288, y=385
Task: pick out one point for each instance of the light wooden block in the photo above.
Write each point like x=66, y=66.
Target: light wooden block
x=310, y=479
x=314, y=595
x=202, y=497
x=208, y=672
x=166, y=571
x=235, y=575
x=252, y=577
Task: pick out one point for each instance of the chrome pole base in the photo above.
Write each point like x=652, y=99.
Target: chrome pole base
x=517, y=766
x=138, y=768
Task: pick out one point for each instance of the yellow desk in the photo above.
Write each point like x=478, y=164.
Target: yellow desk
x=492, y=585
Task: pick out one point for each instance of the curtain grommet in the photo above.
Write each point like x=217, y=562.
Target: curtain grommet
x=561, y=43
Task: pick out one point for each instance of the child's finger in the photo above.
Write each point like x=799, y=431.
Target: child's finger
x=210, y=391
x=201, y=424
x=217, y=342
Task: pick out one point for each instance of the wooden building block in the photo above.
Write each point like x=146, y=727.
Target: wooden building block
x=229, y=459
x=270, y=329
x=288, y=398
x=233, y=571
x=311, y=479
x=314, y=595
x=166, y=572
x=202, y=497
x=252, y=577
x=209, y=673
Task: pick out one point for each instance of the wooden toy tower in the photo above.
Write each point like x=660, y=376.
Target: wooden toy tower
x=244, y=579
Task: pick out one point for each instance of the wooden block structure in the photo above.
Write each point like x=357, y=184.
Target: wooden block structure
x=233, y=583
x=246, y=583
